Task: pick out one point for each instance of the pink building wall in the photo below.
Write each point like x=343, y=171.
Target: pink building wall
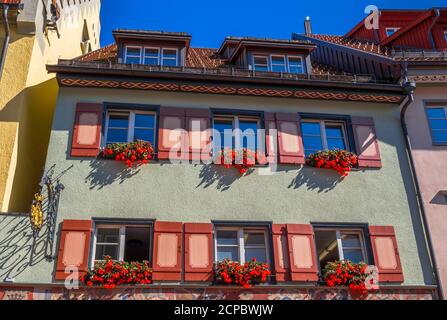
x=431, y=168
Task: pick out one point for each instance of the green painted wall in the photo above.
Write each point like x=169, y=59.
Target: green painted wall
x=199, y=193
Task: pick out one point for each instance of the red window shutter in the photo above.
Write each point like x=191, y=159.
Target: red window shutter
x=281, y=252
x=198, y=125
x=386, y=253
x=367, y=146
x=271, y=138
x=302, y=253
x=172, y=134
x=167, y=257
x=290, y=141
x=198, y=252
x=87, y=130
x=74, y=247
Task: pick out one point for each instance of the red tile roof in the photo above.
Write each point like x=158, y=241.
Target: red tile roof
x=10, y=1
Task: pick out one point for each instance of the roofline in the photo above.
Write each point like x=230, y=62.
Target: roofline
x=97, y=70
x=143, y=34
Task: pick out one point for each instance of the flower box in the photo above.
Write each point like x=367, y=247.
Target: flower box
x=341, y=161
x=245, y=275
x=138, y=151
x=109, y=274
x=242, y=159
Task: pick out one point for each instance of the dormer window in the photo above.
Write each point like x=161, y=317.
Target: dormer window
x=152, y=56
x=278, y=63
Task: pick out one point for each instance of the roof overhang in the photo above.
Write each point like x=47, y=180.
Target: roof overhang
x=124, y=34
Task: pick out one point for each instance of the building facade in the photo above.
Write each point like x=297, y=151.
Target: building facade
x=408, y=46
x=33, y=34
x=184, y=214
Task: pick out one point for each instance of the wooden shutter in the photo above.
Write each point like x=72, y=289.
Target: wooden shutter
x=366, y=143
x=281, y=252
x=386, y=253
x=290, y=141
x=198, y=251
x=87, y=130
x=198, y=125
x=302, y=256
x=74, y=247
x=167, y=256
x=172, y=134
x=271, y=139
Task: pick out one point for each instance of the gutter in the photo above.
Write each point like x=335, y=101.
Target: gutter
x=410, y=87
x=7, y=38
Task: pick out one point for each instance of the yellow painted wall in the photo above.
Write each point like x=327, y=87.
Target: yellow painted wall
x=28, y=97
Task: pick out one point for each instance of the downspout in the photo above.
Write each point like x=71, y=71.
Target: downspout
x=7, y=38
x=409, y=88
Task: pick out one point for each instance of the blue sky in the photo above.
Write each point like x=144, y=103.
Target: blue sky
x=210, y=21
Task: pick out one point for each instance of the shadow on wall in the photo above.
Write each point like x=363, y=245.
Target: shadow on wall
x=322, y=180
x=106, y=172
x=18, y=249
x=223, y=177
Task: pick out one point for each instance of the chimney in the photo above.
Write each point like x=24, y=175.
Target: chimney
x=307, y=26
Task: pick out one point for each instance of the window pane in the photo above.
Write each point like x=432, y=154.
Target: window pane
x=438, y=124
x=253, y=239
x=259, y=254
x=334, y=131
x=278, y=68
x=327, y=249
x=106, y=250
x=350, y=241
x=249, y=131
x=106, y=235
x=225, y=237
x=231, y=253
x=436, y=113
x=312, y=143
x=119, y=121
x=151, y=52
x=336, y=144
x=311, y=128
x=278, y=60
x=137, y=246
x=151, y=61
x=278, y=64
x=133, y=60
x=144, y=134
x=295, y=65
x=144, y=120
x=133, y=51
x=172, y=54
x=261, y=64
x=355, y=256
x=116, y=135
x=170, y=62
x=223, y=127
x=440, y=136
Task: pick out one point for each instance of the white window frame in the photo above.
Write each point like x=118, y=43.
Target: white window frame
x=338, y=234
x=302, y=64
x=237, y=138
x=266, y=57
x=144, y=55
x=133, y=56
x=121, y=241
x=276, y=64
x=393, y=29
x=131, y=127
x=323, y=135
x=162, y=58
x=240, y=243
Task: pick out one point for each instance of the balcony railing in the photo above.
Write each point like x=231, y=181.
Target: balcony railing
x=224, y=72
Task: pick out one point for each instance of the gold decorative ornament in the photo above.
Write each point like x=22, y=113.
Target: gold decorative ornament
x=37, y=213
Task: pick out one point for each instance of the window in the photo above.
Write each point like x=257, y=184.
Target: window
x=391, y=31
x=236, y=131
x=261, y=63
x=241, y=244
x=437, y=117
x=122, y=242
x=152, y=56
x=296, y=65
x=129, y=126
x=278, y=63
x=340, y=244
x=323, y=135
x=133, y=55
